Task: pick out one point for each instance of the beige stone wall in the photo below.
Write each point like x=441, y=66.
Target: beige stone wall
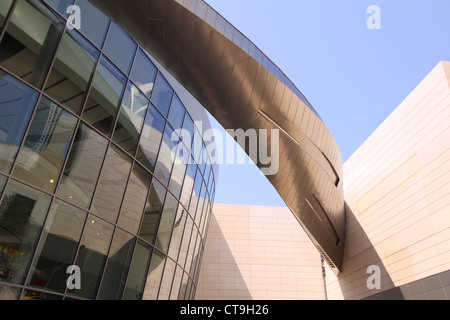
x=397, y=189
x=258, y=253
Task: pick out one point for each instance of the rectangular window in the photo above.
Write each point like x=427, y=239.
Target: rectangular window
x=152, y=212
x=154, y=276
x=166, y=156
x=94, y=23
x=120, y=48
x=144, y=73
x=5, y=6
x=162, y=95
x=166, y=224
x=138, y=272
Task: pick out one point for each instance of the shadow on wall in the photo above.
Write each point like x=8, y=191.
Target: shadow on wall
x=220, y=277
x=363, y=273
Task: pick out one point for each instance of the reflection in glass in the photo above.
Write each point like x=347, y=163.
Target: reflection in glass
x=28, y=294
x=116, y=271
x=92, y=255
x=176, y=286
x=57, y=247
x=112, y=183
x=71, y=71
x=2, y=183
x=120, y=48
x=188, y=185
x=17, y=102
x=154, y=276
x=166, y=156
x=167, y=279
x=152, y=212
x=143, y=73
x=46, y=146
x=138, y=272
x=83, y=167
x=131, y=119
x=176, y=114
x=94, y=22
x=177, y=233
x=135, y=199
x=30, y=41
x=60, y=5
x=151, y=138
x=22, y=214
x=185, y=242
x=178, y=171
x=192, y=247
x=9, y=293
x=162, y=96
x=167, y=221
x=104, y=97
x=5, y=6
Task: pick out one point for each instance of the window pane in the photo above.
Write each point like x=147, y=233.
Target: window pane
x=162, y=96
x=176, y=114
x=92, y=255
x=138, y=271
x=104, y=97
x=151, y=138
x=188, y=185
x=154, y=276
x=120, y=48
x=112, y=183
x=188, y=125
x=116, y=271
x=58, y=246
x=131, y=119
x=22, y=214
x=166, y=156
x=83, y=167
x=195, y=193
x=5, y=6
x=185, y=242
x=46, y=146
x=152, y=212
x=144, y=73
x=94, y=23
x=72, y=70
x=178, y=171
x=135, y=199
x=60, y=5
x=30, y=41
x=166, y=224
x=177, y=234
x=183, y=287
x=37, y=295
x=9, y=293
x=176, y=284
x=17, y=102
x=166, y=283
x=2, y=183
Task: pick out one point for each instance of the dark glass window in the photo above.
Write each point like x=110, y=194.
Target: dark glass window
x=83, y=167
x=30, y=41
x=152, y=212
x=111, y=186
x=131, y=119
x=116, y=271
x=138, y=272
x=195, y=193
x=58, y=246
x=94, y=23
x=144, y=73
x=176, y=114
x=22, y=214
x=154, y=275
x=17, y=102
x=135, y=199
x=5, y=6
x=162, y=96
x=46, y=146
x=91, y=257
x=166, y=224
x=104, y=97
x=120, y=48
x=72, y=71
x=151, y=138
x=60, y=6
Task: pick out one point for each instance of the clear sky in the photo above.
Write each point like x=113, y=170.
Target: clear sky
x=352, y=75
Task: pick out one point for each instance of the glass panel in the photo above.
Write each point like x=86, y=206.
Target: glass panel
x=188, y=185
x=162, y=96
x=112, y=183
x=17, y=102
x=197, y=146
x=46, y=146
x=83, y=167
x=185, y=243
x=120, y=48
x=166, y=224
x=116, y=271
x=135, y=199
x=176, y=284
x=37, y=295
x=57, y=246
x=30, y=41
x=5, y=6
x=166, y=156
x=177, y=233
x=151, y=138
x=131, y=119
x=154, y=276
x=183, y=287
x=152, y=212
x=190, y=255
x=195, y=193
x=176, y=114
x=72, y=71
x=188, y=125
x=178, y=172
x=60, y=5
x=22, y=214
x=144, y=73
x=92, y=255
x=138, y=271
x=104, y=97
x=2, y=183
x=94, y=23
x=166, y=283
x=9, y=293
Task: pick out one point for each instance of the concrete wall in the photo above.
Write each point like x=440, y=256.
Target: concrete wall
x=258, y=253
x=397, y=191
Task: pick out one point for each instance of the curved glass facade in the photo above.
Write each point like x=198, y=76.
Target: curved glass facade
x=92, y=173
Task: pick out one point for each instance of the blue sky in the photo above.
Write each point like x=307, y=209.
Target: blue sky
x=352, y=75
